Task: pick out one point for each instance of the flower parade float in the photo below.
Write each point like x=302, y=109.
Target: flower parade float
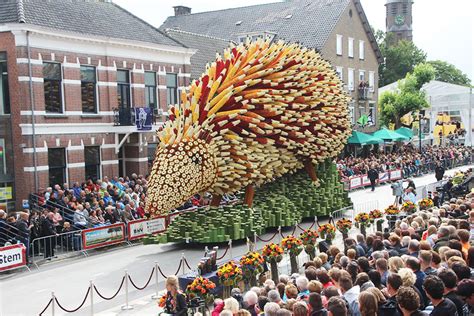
x=265, y=118
x=273, y=254
x=362, y=221
x=309, y=238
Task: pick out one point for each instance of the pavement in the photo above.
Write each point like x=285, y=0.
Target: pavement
x=69, y=279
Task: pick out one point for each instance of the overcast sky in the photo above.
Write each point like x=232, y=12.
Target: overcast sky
x=443, y=29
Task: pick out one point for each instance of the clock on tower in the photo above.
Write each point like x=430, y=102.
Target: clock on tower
x=399, y=19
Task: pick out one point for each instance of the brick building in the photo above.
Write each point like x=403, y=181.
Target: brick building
x=72, y=74
x=338, y=29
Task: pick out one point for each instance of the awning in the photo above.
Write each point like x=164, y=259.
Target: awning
x=390, y=136
x=362, y=139
x=405, y=132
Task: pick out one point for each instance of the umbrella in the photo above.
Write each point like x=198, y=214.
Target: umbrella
x=405, y=132
x=391, y=136
x=362, y=139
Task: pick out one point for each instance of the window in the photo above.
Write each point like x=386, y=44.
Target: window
x=150, y=90
x=92, y=162
x=339, y=71
x=371, y=80
x=371, y=117
x=88, y=89
x=351, y=112
x=394, y=9
x=4, y=92
x=171, y=89
x=350, y=45
x=339, y=45
x=361, y=50
x=52, y=87
x=151, y=154
x=350, y=79
x=123, y=89
x=57, y=165
x=405, y=8
x=361, y=76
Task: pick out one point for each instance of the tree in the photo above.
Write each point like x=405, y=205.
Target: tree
x=400, y=57
x=408, y=98
x=447, y=72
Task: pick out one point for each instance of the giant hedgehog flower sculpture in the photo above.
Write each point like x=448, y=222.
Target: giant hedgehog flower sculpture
x=262, y=110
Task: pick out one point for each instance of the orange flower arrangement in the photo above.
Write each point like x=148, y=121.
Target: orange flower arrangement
x=392, y=210
x=229, y=274
x=162, y=301
x=327, y=230
x=272, y=251
x=251, y=264
x=309, y=236
x=200, y=287
x=375, y=214
x=344, y=225
x=292, y=245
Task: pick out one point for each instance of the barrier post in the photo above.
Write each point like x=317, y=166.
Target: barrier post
x=255, y=239
x=183, y=262
x=91, y=285
x=156, y=295
x=126, y=306
x=248, y=244
x=230, y=249
x=279, y=234
x=53, y=303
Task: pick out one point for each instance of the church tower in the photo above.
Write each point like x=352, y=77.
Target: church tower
x=399, y=19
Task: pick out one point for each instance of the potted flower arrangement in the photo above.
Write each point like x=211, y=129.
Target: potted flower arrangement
x=362, y=221
x=376, y=217
x=251, y=265
x=328, y=232
x=425, y=204
x=344, y=225
x=409, y=207
x=293, y=247
x=309, y=238
x=201, y=287
x=229, y=275
x=392, y=211
x=162, y=301
x=273, y=254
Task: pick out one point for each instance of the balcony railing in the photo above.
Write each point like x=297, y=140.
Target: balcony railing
x=128, y=117
x=365, y=93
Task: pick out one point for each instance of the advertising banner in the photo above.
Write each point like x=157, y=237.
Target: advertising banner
x=365, y=180
x=355, y=182
x=383, y=177
x=102, y=236
x=141, y=228
x=12, y=257
x=395, y=174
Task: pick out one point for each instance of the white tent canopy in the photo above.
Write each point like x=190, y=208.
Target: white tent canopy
x=446, y=97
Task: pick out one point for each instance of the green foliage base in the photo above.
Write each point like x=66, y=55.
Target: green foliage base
x=283, y=202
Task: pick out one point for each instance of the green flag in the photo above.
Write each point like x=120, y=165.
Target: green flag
x=363, y=120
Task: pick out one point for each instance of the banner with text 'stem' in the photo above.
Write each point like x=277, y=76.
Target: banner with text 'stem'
x=141, y=228
x=12, y=257
x=103, y=236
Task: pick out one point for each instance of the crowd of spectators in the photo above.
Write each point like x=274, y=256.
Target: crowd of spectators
x=425, y=266
x=408, y=158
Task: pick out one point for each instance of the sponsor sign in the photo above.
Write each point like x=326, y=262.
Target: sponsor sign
x=384, y=176
x=355, y=182
x=102, y=236
x=6, y=193
x=395, y=174
x=365, y=180
x=12, y=257
x=141, y=228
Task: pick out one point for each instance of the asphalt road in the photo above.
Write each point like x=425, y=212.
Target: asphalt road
x=27, y=293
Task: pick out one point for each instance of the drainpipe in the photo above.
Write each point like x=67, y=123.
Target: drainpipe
x=32, y=106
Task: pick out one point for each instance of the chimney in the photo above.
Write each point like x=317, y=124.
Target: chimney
x=181, y=10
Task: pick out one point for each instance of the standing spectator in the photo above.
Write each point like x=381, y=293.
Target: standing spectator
x=350, y=293
x=434, y=289
x=48, y=230
x=439, y=172
x=373, y=176
x=336, y=307
x=367, y=304
x=465, y=290
x=251, y=300
x=24, y=230
x=449, y=279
